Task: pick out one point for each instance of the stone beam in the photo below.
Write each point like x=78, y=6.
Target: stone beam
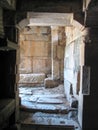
x=49, y=19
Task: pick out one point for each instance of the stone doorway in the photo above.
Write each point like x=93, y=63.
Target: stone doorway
x=42, y=71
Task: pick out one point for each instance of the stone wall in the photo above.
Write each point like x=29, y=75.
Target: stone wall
x=35, y=50
x=42, y=51
x=72, y=62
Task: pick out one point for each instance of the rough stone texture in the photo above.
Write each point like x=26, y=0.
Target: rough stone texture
x=35, y=29
x=58, y=47
x=56, y=69
x=35, y=50
x=52, y=110
x=60, y=52
x=50, y=83
x=56, y=120
x=26, y=65
x=62, y=70
x=62, y=36
x=38, y=37
x=72, y=59
x=44, y=99
x=42, y=65
x=32, y=78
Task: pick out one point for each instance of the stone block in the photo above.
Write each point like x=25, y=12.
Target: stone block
x=32, y=78
x=40, y=49
x=36, y=29
x=50, y=83
x=37, y=37
x=25, y=65
x=25, y=48
x=41, y=65
x=22, y=37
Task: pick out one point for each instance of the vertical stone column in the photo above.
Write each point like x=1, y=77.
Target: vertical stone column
x=54, y=44
x=57, y=56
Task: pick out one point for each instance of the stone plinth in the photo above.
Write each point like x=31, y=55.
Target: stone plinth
x=50, y=83
x=26, y=79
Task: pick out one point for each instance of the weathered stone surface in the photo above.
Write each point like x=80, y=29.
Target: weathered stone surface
x=50, y=83
x=56, y=70
x=54, y=51
x=42, y=65
x=62, y=70
x=26, y=65
x=35, y=50
x=60, y=52
x=38, y=37
x=40, y=49
x=54, y=120
x=25, y=48
x=31, y=78
x=61, y=36
x=35, y=29
x=22, y=37
x=49, y=100
x=67, y=87
x=54, y=34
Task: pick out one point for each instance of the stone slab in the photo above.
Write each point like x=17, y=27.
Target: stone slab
x=49, y=100
x=49, y=119
x=51, y=108
x=32, y=78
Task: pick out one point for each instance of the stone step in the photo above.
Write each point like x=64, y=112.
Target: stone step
x=46, y=121
x=43, y=107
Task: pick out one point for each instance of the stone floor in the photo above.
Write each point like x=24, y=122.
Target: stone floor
x=49, y=107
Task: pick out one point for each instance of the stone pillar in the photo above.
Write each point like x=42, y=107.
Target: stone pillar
x=54, y=44
x=55, y=74
x=57, y=56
